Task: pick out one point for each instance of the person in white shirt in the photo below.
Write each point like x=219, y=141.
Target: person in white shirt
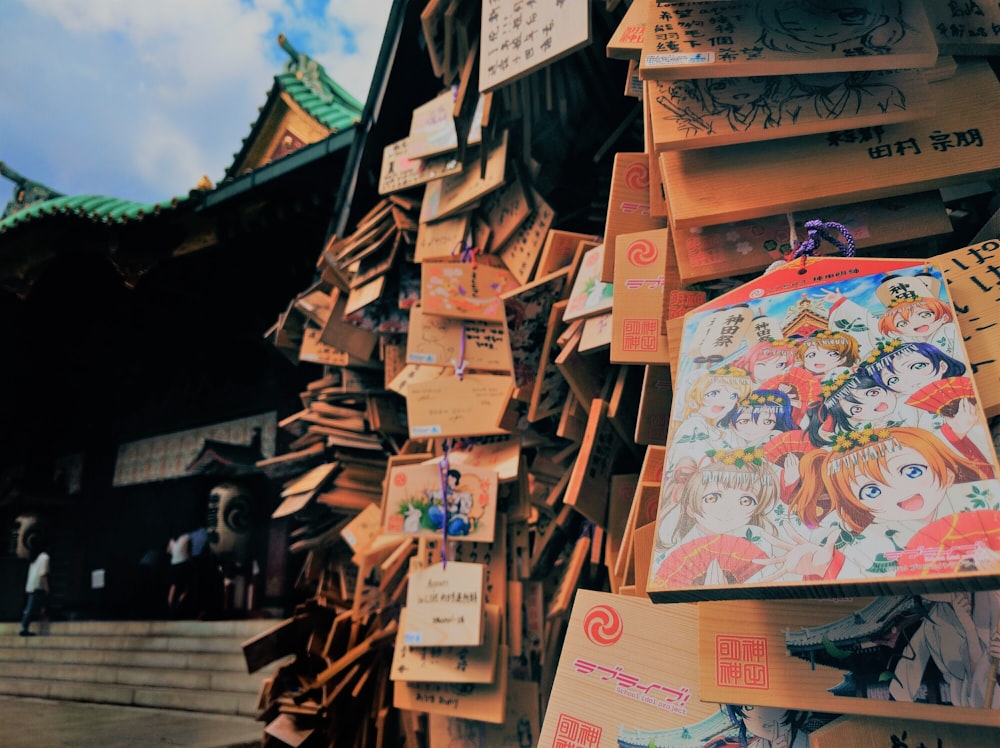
x=37, y=588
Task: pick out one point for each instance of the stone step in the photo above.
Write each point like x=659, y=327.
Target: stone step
x=191, y=665
x=36, y=651
x=134, y=676
x=216, y=702
x=243, y=629
x=152, y=643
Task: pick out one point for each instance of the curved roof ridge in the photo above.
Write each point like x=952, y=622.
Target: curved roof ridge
x=95, y=208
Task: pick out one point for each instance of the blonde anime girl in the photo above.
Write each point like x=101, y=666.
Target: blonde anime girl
x=708, y=399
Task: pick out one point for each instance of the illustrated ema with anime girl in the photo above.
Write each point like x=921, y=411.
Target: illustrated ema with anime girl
x=887, y=502
x=711, y=518
x=711, y=397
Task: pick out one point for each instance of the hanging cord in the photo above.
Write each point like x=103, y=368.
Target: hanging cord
x=793, y=237
x=444, y=468
x=461, y=363
x=819, y=231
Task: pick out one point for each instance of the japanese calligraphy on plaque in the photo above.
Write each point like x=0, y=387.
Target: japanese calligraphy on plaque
x=520, y=36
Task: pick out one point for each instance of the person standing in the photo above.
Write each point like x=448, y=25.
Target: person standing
x=37, y=587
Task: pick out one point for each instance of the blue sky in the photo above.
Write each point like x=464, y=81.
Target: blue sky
x=140, y=98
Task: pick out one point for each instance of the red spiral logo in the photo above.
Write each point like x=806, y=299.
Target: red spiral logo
x=603, y=625
x=637, y=177
x=641, y=252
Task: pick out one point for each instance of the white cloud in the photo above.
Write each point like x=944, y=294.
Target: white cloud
x=139, y=99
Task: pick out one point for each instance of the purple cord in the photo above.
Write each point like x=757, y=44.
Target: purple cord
x=443, y=469
x=818, y=231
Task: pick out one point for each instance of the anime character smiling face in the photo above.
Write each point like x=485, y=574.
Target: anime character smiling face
x=872, y=405
x=820, y=360
x=723, y=509
x=717, y=401
x=921, y=323
x=907, y=489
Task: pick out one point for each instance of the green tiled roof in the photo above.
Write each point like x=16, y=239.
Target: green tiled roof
x=340, y=110
x=94, y=208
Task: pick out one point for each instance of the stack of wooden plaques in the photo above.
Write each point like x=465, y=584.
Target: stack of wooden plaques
x=486, y=441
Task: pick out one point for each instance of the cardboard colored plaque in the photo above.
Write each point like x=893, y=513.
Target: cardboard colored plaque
x=504, y=210
x=528, y=309
x=448, y=406
x=445, y=341
x=590, y=295
x=467, y=290
x=448, y=664
x=518, y=39
x=626, y=43
x=628, y=678
x=548, y=391
x=587, y=491
x=976, y=291
x=965, y=28
x=444, y=607
x=773, y=37
x=441, y=239
x=401, y=172
x=826, y=438
x=520, y=252
x=628, y=205
x=520, y=725
x=960, y=144
x=886, y=731
x=703, y=113
x=413, y=506
x=482, y=702
x=636, y=335
x=596, y=334
x=432, y=127
x=749, y=246
x=451, y=194
x=905, y=657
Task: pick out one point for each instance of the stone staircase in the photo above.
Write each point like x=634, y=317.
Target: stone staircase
x=192, y=665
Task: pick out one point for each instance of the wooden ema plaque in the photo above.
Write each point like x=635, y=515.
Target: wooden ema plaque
x=628, y=678
x=519, y=39
x=628, y=205
x=969, y=28
x=807, y=457
x=639, y=268
x=971, y=273
x=701, y=113
x=897, y=732
x=730, y=249
x=905, y=657
x=960, y=144
x=774, y=37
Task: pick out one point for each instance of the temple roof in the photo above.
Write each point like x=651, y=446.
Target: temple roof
x=309, y=86
x=97, y=209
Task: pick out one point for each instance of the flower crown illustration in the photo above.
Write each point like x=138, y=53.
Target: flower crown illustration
x=729, y=371
x=882, y=349
x=824, y=335
x=853, y=447
x=756, y=400
x=737, y=457
x=833, y=388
